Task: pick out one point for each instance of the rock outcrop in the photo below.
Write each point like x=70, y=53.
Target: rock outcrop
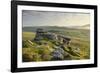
x=42, y=34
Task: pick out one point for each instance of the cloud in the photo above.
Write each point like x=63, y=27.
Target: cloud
x=48, y=18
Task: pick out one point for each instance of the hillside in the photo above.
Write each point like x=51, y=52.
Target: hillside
x=48, y=50
x=70, y=32
x=85, y=27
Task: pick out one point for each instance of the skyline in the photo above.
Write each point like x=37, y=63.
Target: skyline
x=49, y=18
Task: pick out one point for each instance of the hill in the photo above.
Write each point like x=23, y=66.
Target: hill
x=48, y=50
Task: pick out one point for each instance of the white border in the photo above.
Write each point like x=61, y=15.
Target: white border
x=53, y=63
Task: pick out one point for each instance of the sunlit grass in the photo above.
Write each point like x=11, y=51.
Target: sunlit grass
x=28, y=35
x=32, y=51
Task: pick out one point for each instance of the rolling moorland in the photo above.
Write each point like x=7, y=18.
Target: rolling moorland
x=51, y=50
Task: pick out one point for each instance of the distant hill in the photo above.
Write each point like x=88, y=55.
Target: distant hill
x=49, y=28
x=87, y=26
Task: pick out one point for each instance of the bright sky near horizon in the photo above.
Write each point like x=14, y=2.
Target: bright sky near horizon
x=48, y=18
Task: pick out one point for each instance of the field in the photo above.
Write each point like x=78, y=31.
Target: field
x=78, y=49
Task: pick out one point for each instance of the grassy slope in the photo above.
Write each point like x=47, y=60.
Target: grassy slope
x=28, y=35
x=80, y=39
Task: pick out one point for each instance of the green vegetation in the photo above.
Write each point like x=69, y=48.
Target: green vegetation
x=42, y=50
x=28, y=35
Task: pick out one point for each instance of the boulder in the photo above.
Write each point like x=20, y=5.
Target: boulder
x=58, y=53
x=41, y=34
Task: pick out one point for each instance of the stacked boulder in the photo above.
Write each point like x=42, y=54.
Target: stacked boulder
x=42, y=34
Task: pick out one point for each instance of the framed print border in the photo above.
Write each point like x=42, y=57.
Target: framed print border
x=14, y=35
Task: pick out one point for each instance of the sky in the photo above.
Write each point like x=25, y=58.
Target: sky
x=51, y=18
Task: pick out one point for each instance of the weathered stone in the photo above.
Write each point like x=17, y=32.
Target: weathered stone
x=63, y=39
x=59, y=49
x=41, y=34
x=77, y=50
x=56, y=55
